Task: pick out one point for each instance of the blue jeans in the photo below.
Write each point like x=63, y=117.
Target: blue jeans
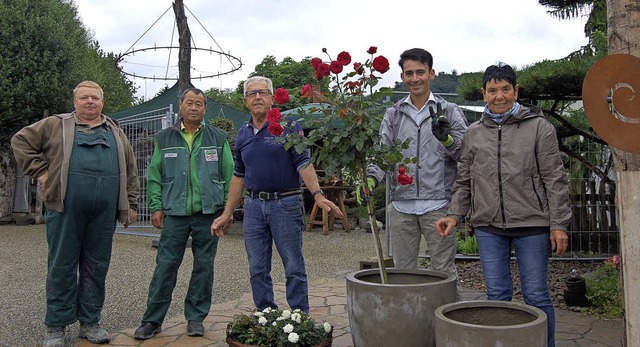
x=266, y=222
x=533, y=254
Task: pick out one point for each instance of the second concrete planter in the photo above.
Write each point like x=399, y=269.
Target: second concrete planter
x=489, y=323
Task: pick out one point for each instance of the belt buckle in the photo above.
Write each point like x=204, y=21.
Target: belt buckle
x=263, y=195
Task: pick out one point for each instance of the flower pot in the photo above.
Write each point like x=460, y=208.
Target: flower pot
x=489, y=323
x=576, y=292
x=399, y=313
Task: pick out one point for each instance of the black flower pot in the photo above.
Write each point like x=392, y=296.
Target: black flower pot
x=576, y=292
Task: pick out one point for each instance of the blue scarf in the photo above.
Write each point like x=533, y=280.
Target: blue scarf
x=499, y=117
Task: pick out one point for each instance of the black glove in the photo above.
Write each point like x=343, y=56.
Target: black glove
x=440, y=126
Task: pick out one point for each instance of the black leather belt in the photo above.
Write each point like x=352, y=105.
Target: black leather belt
x=272, y=195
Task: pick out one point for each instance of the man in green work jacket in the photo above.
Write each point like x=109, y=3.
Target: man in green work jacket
x=187, y=187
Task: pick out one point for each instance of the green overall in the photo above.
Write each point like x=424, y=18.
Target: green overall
x=171, y=248
x=80, y=238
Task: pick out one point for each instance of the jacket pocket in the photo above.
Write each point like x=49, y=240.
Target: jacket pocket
x=167, y=201
x=536, y=193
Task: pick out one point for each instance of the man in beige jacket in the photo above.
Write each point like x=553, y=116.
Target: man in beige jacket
x=88, y=180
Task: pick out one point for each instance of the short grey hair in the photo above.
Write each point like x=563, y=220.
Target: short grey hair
x=257, y=79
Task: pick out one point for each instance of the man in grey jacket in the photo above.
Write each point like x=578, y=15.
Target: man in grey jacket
x=435, y=128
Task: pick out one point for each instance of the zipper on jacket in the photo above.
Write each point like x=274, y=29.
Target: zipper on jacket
x=500, y=189
x=535, y=191
x=417, y=174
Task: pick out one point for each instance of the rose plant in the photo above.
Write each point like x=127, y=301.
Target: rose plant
x=345, y=137
x=604, y=290
x=282, y=328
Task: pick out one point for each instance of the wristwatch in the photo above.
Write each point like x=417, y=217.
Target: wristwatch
x=319, y=191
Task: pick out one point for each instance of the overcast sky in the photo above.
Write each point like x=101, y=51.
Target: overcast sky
x=465, y=35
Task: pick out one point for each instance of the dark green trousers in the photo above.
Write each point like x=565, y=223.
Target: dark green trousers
x=80, y=238
x=171, y=248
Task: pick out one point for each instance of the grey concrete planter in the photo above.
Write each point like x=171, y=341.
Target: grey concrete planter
x=400, y=313
x=487, y=323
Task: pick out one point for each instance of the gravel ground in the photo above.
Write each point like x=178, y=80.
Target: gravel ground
x=23, y=258
x=471, y=276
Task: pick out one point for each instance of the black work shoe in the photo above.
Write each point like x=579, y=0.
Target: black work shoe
x=195, y=328
x=93, y=332
x=147, y=330
x=55, y=337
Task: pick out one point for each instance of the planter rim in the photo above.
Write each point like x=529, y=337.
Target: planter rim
x=444, y=277
x=538, y=313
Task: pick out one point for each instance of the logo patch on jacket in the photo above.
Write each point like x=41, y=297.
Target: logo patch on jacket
x=211, y=154
x=171, y=155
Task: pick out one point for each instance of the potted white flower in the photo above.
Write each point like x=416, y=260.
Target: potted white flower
x=278, y=328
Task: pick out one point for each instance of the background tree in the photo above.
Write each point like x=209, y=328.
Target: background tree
x=288, y=73
x=228, y=97
x=46, y=51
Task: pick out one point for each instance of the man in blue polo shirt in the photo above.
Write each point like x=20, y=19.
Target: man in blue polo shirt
x=273, y=206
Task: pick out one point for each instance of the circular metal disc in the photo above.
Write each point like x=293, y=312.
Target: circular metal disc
x=616, y=76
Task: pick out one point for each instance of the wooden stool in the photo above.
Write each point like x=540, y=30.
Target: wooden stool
x=334, y=194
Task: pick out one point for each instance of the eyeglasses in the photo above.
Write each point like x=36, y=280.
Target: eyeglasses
x=253, y=93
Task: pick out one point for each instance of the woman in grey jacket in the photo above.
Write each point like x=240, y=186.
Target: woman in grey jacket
x=512, y=183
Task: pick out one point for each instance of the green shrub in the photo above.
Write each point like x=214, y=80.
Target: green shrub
x=603, y=289
x=357, y=211
x=466, y=244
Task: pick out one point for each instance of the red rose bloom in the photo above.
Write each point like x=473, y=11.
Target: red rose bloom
x=276, y=129
x=306, y=89
x=358, y=68
x=274, y=115
x=323, y=70
x=372, y=50
x=315, y=62
x=403, y=178
x=335, y=67
x=281, y=96
x=344, y=58
x=381, y=64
